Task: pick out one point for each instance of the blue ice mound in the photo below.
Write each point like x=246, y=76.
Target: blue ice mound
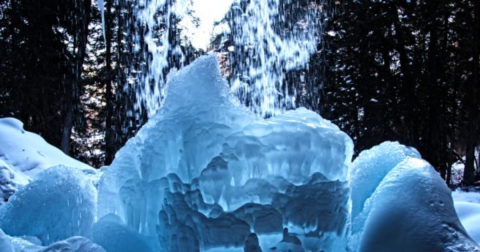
x=205, y=173
x=59, y=204
x=410, y=208
x=370, y=168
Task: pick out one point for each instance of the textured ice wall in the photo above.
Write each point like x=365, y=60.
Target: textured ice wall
x=205, y=172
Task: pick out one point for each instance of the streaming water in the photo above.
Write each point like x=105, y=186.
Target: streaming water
x=270, y=37
x=157, y=42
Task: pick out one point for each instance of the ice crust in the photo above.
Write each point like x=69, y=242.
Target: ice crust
x=113, y=235
x=59, y=204
x=205, y=172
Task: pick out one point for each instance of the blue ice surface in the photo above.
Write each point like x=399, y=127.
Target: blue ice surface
x=59, y=204
x=113, y=235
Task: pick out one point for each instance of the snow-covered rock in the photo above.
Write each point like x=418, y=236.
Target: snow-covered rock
x=370, y=168
x=23, y=155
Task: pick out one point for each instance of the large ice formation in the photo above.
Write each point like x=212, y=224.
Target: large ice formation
x=204, y=173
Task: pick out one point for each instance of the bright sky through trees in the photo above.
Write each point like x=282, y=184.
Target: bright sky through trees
x=208, y=11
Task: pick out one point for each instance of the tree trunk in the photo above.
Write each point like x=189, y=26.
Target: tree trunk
x=471, y=141
x=109, y=133
x=80, y=42
x=432, y=144
x=407, y=88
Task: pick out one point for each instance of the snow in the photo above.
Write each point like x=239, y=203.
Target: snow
x=28, y=152
x=59, y=203
x=23, y=155
x=467, y=206
x=10, y=181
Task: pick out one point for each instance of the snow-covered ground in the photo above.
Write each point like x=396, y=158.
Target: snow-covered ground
x=467, y=206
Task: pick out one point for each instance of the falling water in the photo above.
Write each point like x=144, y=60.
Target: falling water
x=270, y=37
x=159, y=47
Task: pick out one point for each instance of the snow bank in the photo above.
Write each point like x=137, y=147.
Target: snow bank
x=467, y=206
x=59, y=203
x=10, y=181
x=23, y=155
x=28, y=152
